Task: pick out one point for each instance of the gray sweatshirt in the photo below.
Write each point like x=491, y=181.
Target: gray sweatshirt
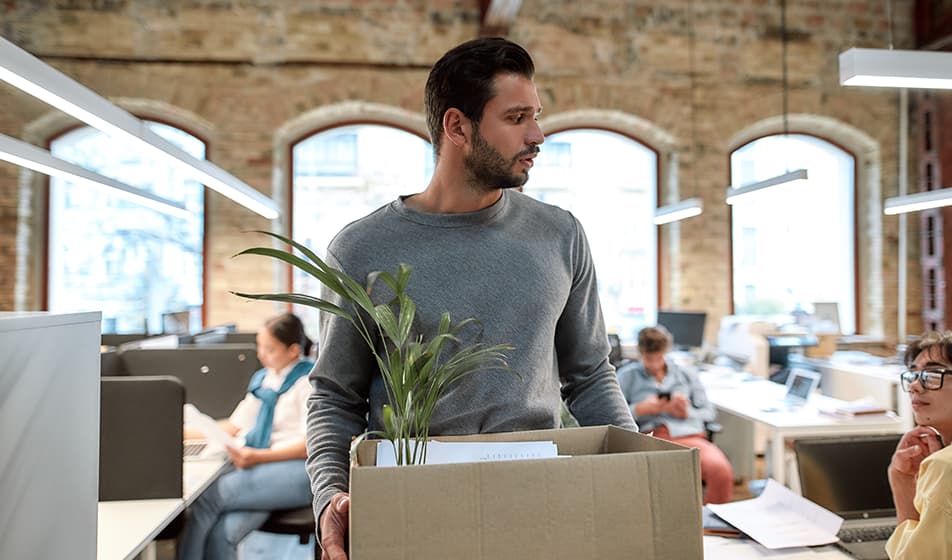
x=524, y=271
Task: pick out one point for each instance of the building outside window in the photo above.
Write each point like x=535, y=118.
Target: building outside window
x=793, y=244
x=135, y=264
x=344, y=173
x=609, y=182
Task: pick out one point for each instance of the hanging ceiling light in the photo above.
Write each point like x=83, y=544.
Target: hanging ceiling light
x=918, y=201
x=29, y=156
x=896, y=68
x=789, y=177
x=692, y=206
x=28, y=73
x=679, y=211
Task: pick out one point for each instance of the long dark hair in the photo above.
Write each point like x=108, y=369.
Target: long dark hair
x=463, y=79
x=289, y=329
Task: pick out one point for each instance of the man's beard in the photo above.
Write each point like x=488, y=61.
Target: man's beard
x=489, y=170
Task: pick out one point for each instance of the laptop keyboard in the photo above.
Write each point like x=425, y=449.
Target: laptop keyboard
x=865, y=534
x=194, y=448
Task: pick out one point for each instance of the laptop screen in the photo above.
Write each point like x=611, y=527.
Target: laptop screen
x=847, y=475
x=801, y=384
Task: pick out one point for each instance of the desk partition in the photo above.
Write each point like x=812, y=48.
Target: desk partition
x=49, y=417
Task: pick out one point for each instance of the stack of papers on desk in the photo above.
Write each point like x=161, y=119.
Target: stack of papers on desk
x=778, y=518
x=866, y=405
x=445, y=452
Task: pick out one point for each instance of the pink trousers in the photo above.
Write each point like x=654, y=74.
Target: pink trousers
x=716, y=470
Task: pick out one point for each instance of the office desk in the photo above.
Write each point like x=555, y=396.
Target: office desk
x=760, y=401
x=850, y=380
x=127, y=527
x=719, y=548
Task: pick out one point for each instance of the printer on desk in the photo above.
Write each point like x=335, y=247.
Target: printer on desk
x=760, y=345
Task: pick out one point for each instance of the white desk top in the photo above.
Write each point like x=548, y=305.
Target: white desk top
x=719, y=548
x=761, y=401
x=126, y=527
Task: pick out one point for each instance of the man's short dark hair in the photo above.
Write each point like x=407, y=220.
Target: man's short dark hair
x=463, y=78
x=654, y=339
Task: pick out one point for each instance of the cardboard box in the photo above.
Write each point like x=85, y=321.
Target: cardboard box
x=620, y=495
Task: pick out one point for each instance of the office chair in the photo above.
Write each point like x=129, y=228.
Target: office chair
x=299, y=521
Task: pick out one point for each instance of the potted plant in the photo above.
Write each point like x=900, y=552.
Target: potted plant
x=416, y=372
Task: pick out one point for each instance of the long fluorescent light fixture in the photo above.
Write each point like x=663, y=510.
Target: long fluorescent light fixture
x=918, y=201
x=733, y=195
x=28, y=73
x=896, y=68
x=27, y=155
x=679, y=211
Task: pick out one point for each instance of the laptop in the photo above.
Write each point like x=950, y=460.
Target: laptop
x=801, y=383
x=847, y=475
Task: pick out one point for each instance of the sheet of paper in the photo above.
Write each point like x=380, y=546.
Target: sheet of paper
x=445, y=452
x=778, y=518
x=204, y=423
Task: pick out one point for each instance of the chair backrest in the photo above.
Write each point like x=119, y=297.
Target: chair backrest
x=215, y=377
x=140, y=438
x=110, y=365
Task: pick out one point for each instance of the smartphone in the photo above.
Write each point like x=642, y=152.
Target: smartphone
x=664, y=395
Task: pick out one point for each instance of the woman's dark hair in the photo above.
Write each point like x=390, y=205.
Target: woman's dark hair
x=654, y=339
x=940, y=341
x=289, y=329
x=463, y=78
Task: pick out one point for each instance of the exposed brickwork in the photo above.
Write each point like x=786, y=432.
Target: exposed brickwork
x=248, y=67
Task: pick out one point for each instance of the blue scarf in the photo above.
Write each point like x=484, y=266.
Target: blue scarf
x=260, y=435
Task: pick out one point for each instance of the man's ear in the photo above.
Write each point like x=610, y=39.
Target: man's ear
x=457, y=127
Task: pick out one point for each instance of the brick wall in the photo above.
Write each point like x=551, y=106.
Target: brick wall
x=247, y=68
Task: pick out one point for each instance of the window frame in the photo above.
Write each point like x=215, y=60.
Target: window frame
x=658, y=249
x=857, y=254
x=47, y=191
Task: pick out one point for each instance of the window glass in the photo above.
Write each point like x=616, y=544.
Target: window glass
x=609, y=182
x=135, y=264
x=793, y=245
x=345, y=173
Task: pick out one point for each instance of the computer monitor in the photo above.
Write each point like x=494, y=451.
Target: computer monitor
x=686, y=327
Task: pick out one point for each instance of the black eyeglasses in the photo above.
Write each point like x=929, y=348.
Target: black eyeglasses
x=929, y=379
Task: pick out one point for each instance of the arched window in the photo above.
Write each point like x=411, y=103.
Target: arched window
x=142, y=268
x=344, y=173
x=609, y=182
x=793, y=245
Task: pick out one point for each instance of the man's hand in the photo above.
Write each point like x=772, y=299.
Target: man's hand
x=334, y=525
x=650, y=406
x=678, y=406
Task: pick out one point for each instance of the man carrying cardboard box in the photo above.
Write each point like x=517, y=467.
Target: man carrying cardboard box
x=478, y=249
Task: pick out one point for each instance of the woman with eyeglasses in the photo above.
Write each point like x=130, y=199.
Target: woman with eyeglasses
x=920, y=473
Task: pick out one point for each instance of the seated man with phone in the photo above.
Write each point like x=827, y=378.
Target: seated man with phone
x=671, y=402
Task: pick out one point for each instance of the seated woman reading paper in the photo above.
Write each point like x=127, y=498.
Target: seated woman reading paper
x=267, y=473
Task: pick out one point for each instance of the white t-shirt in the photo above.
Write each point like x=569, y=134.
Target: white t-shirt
x=290, y=414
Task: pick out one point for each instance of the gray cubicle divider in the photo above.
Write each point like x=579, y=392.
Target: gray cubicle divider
x=140, y=438
x=215, y=377
x=110, y=365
